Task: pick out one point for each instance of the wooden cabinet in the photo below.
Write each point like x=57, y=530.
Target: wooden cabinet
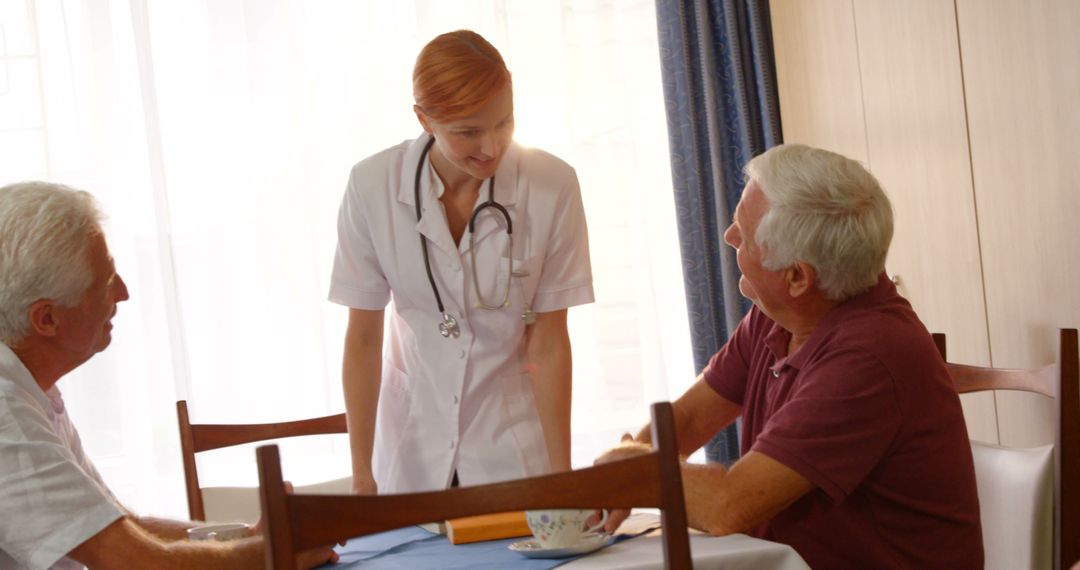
x=967, y=113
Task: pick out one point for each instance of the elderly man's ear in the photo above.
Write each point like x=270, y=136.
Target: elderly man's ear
x=800, y=278
x=43, y=318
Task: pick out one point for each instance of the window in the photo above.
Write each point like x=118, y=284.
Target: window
x=218, y=137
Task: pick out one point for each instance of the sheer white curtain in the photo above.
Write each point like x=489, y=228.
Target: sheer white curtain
x=218, y=136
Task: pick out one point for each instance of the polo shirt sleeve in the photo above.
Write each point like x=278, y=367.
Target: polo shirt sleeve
x=841, y=419
x=357, y=280
x=727, y=370
x=48, y=504
x=566, y=278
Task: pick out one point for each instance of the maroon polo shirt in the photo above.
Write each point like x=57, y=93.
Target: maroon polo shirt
x=865, y=411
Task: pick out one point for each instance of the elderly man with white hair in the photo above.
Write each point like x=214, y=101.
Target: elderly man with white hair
x=854, y=447
x=58, y=293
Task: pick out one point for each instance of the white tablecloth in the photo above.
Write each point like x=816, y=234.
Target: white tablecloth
x=733, y=552
x=413, y=548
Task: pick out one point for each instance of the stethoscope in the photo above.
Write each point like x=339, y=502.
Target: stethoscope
x=449, y=326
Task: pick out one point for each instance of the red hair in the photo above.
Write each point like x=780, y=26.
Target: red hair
x=456, y=74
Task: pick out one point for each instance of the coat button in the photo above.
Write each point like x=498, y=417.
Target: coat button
x=775, y=373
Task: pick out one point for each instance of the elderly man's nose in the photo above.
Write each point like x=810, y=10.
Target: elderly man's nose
x=730, y=237
x=121, y=289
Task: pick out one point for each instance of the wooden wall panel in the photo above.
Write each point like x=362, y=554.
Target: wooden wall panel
x=1022, y=74
x=872, y=111
x=817, y=70
x=917, y=138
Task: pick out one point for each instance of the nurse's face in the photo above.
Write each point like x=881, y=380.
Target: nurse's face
x=473, y=145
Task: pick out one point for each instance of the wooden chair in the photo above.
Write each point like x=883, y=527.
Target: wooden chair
x=1000, y=471
x=195, y=438
x=297, y=522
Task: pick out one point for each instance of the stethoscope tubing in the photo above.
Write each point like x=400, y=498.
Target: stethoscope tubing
x=449, y=326
x=419, y=214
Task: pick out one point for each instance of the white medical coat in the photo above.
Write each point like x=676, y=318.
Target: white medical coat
x=465, y=403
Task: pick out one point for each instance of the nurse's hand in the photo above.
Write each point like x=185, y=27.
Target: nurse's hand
x=364, y=485
x=625, y=450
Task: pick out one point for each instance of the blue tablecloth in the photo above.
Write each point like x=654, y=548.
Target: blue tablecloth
x=414, y=548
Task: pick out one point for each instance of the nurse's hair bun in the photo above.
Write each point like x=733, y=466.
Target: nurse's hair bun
x=456, y=74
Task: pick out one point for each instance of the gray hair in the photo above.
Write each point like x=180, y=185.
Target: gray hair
x=826, y=210
x=44, y=231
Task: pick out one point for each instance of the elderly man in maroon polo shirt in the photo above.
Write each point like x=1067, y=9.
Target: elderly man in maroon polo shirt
x=854, y=448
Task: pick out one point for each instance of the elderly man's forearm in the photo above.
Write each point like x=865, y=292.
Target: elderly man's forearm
x=708, y=507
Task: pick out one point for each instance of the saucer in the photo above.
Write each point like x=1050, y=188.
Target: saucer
x=532, y=549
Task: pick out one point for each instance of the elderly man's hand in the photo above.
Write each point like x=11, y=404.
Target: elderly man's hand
x=307, y=559
x=260, y=525
x=625, y=450
x=316, y=557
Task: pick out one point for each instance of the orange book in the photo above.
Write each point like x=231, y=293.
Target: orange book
x=487, y=527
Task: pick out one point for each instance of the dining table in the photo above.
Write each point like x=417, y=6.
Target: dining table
x=637, y=545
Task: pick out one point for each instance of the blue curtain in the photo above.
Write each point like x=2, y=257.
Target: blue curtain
x=722, y=110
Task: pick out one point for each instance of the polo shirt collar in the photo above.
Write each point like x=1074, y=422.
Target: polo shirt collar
x=835, y=318
x=14, y=370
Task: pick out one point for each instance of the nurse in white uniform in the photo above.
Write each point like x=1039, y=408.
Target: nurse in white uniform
x=479, y=246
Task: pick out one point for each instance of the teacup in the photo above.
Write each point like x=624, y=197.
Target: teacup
x=561, y=528
x=219, y=532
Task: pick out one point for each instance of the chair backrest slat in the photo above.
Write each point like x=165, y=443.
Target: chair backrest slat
x=976, y=378
x=321, y=519
x=650, y=480
x=196, y=438
x=215, y=436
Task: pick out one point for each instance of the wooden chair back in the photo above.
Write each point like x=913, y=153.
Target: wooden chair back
x=1060, y=381
x=295, y=522
x=195, y=438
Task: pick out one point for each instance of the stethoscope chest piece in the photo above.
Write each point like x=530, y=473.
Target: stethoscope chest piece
x=449, y=326
x=528, y=317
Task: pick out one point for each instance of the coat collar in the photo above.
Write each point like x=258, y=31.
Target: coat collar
x=506, y=176
x=434, y=227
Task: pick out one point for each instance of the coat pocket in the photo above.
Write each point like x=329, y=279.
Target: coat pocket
x=392, y=422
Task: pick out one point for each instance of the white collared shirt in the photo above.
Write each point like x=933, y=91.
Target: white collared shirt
x=52, y=499
x=465, y=403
